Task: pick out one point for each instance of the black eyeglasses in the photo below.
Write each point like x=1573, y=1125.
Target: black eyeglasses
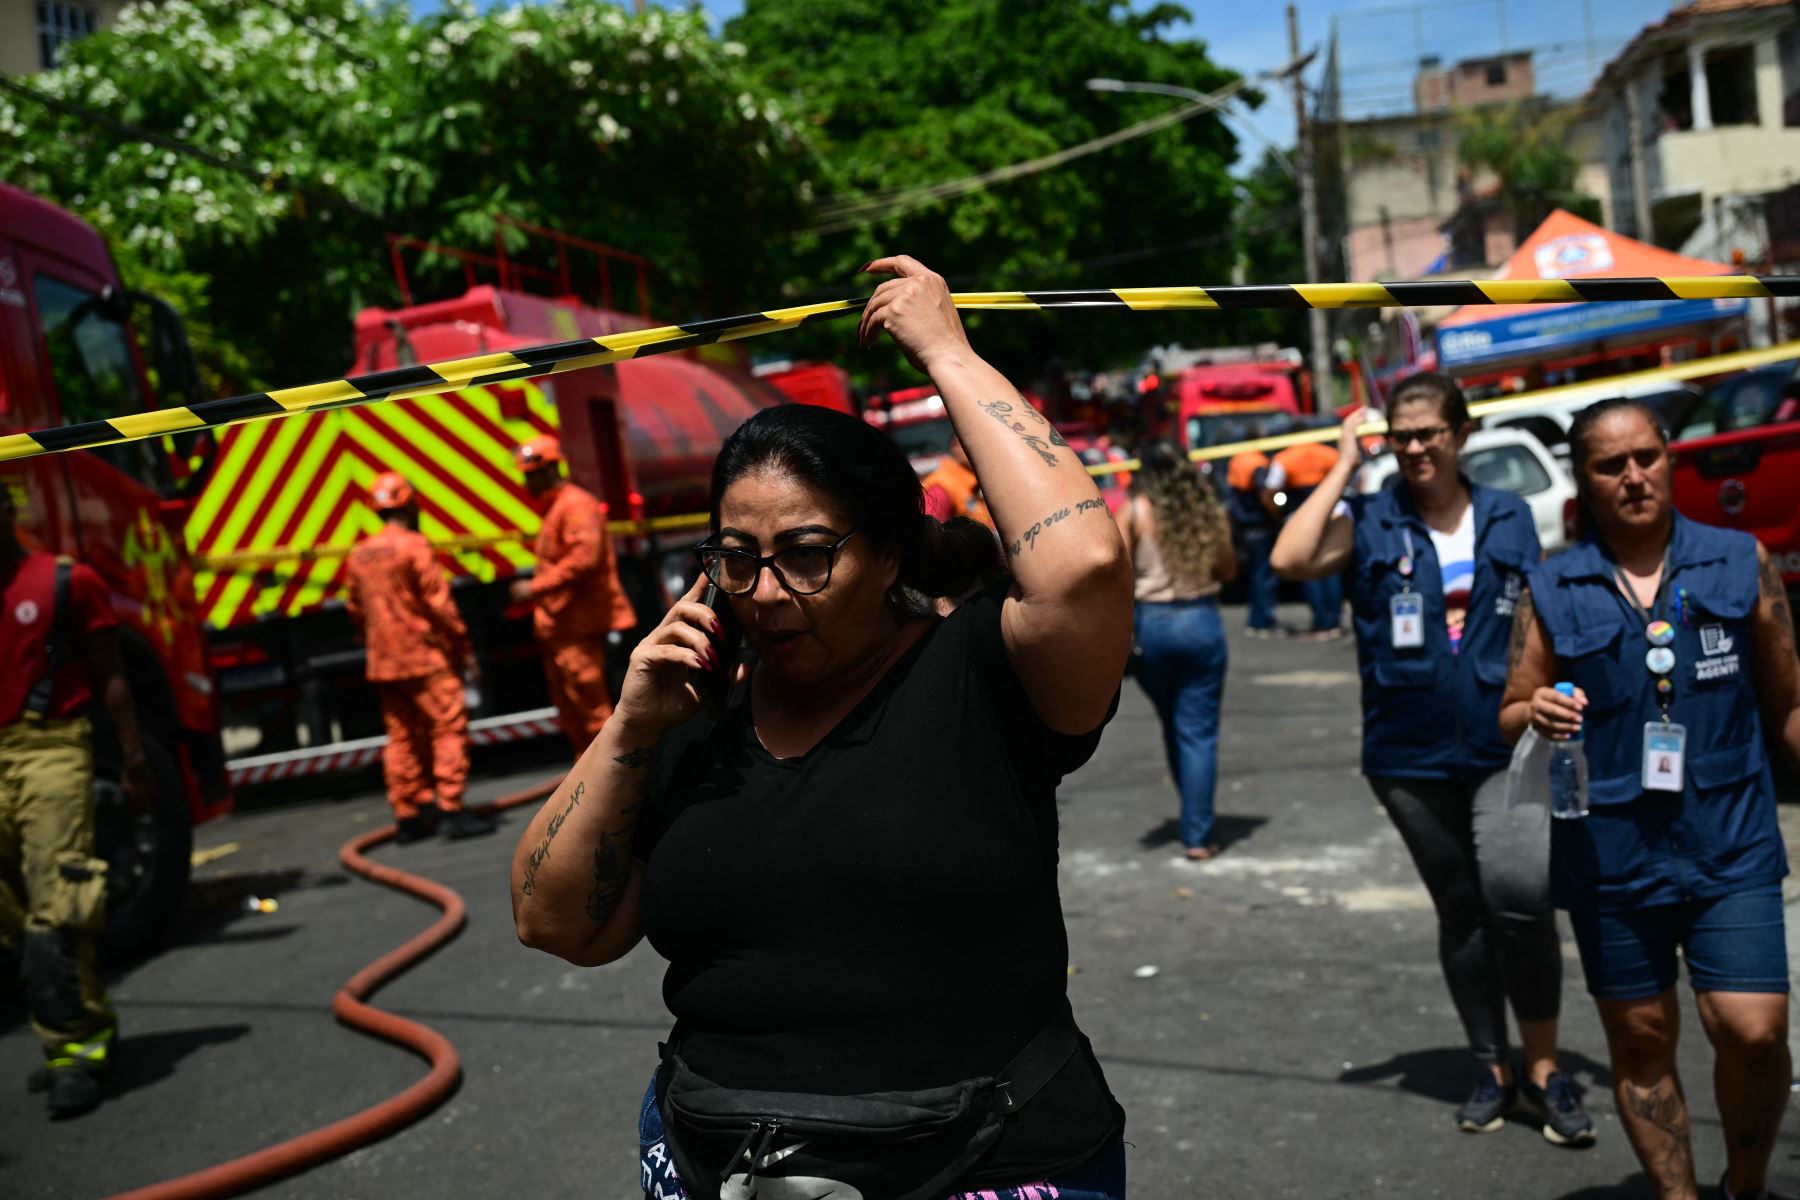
x=802, y=570
x=1424, y=437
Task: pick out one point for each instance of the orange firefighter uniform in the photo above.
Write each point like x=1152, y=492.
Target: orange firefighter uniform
x=418, y=648
x=951, y=490
x=577, y=600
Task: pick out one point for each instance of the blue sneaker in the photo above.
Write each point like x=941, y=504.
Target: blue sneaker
x=1486, y=1108
x=1566, y=1123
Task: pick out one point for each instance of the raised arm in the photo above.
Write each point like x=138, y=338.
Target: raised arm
x=1315, y=542
x=1067, y=621
x=1777, y=670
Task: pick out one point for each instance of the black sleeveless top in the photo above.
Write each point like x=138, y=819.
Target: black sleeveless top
x=880, y=914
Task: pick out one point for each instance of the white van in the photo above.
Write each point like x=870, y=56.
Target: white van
x=1510, y=460
x=1549, y=422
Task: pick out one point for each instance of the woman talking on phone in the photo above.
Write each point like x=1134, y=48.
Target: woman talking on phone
x=1678, y=639
x=852, y=870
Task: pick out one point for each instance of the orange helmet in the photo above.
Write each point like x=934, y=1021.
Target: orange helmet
x=540, y=452
x=390, y=491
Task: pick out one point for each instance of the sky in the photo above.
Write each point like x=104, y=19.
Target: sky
x=1380, y=41
x=1379, y=44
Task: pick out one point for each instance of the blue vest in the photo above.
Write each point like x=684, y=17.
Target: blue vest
x=1720, y=835
x=1434, y=713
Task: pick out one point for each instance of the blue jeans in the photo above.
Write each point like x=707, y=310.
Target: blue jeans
x=1101, y=1177
x=1260, y=579
x=1183, y=672
x=1327, y=599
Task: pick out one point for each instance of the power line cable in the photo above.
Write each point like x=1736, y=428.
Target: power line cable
x=844, y=217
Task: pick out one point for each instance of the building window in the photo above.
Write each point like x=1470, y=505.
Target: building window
x=1675, y=102
x=1731, y=82
x=1496, y=73
x=59, y=24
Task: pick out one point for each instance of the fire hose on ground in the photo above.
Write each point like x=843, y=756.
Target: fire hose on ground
x=351, y=1006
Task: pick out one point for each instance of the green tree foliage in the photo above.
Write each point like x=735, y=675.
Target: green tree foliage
x=896, y=95
x=335, y=122
x=1528, y=153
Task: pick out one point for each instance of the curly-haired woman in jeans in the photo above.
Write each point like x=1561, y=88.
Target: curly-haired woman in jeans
x=1180, y=543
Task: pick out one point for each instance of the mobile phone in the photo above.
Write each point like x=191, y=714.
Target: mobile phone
x=715, y=686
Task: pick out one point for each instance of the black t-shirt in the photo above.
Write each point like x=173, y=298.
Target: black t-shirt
x=880, y=914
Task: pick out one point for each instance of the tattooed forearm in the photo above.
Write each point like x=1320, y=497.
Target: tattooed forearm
x=612, y=871
x=542, y=851
x=633, y=759
x=1004, y=412
x=1028, y=539
x=1523, y=616
x=1657, y=1122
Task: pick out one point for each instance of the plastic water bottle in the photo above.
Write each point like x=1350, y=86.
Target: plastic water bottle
x=1568, y=773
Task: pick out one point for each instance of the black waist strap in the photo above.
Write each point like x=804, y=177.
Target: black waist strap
x=56, y=646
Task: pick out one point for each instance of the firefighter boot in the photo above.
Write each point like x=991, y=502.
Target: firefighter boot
x=465, y=824
x=415, y=828
x=52, y=975
x=74, y=1090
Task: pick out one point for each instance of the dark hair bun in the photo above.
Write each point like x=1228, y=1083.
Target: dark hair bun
x=952, y=558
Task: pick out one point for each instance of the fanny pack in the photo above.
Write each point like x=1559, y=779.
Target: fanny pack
x=735, y=1144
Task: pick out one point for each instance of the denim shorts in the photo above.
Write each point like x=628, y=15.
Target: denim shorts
x=1101, y=1177
x=1732, y=943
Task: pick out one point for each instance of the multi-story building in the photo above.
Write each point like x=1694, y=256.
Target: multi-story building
x=1413, y=208
x=1702, y=129
x=33, y=32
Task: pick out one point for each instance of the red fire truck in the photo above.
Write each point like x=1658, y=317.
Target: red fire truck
x=285, y=500
x=76, y=345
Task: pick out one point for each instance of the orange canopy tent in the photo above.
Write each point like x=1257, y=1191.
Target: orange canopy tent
x=1479, y=337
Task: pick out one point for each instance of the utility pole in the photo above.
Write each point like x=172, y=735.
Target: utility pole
x=1309, y=225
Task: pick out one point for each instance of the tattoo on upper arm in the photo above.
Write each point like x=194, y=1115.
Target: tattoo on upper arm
x=1004, y=412
x=1774, y=591
x=1028, y=539
x=1523, y=615
x=538, y=855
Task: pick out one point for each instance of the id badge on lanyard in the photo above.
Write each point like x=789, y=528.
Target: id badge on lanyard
x=1407, y=610
x=1665, y=753
x=1664, y=767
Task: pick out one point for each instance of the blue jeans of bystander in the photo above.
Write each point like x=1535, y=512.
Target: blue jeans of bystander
x=1183, y=672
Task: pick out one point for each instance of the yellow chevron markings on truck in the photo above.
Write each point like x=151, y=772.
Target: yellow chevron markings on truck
x=312, y=491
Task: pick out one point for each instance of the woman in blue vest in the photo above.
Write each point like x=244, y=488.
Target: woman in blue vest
x=1437, y=564
x=1678, y=638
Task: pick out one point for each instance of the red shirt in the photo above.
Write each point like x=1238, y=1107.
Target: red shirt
x=27, y=593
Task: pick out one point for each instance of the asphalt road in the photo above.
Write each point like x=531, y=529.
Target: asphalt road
x=1294, y=1039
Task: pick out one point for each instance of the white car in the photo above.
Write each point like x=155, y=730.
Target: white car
x=1549, y=421
x=1512, y=461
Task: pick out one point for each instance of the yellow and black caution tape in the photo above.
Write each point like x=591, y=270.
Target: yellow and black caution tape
x=254, y=560
x=558, y=357
x=1744, y=360
x=1699, y=368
